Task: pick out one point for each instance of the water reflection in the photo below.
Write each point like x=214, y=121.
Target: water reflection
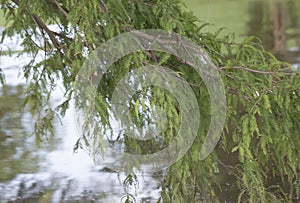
x=276, y=23
x=47, y=170
x=12, y=134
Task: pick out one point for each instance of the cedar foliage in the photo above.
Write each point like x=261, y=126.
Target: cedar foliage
x=262, y=128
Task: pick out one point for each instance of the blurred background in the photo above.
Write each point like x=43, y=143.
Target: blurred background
x=275, y=22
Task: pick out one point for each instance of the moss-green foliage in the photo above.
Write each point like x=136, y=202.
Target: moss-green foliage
x=263, y=125
x=2, y=20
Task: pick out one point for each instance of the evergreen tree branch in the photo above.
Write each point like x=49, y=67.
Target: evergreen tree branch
x=38, y=21
x=62, y=10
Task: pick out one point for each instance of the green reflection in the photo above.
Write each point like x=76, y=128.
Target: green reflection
x=15, y=156
x=276, y=23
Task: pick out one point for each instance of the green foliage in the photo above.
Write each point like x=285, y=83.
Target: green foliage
x=2, y=78
x=263, y=124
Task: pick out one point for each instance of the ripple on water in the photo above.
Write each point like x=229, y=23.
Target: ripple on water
x=49, y=171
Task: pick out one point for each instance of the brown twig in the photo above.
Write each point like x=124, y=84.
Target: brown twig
x=62, y=10
x=231, y=171
x=233, y=91
x=42, y=26
x=255, y=71
x=103, y=6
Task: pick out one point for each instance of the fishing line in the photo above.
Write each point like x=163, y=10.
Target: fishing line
x=208, y=14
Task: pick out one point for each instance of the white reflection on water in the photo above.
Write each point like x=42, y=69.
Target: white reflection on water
x=68, y=175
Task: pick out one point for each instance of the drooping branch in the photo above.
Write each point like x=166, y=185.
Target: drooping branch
x=62, y=10
x=42, y=26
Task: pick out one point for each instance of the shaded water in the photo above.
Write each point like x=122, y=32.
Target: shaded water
x=47, y=170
